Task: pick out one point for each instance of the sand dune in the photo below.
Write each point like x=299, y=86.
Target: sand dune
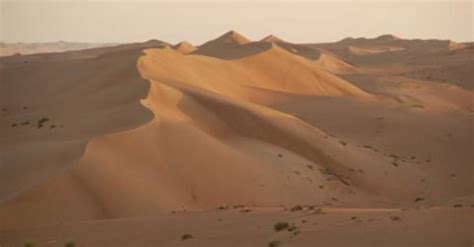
x=184, y=47
x=8, y=49
x=143, y=130
x=37, y=126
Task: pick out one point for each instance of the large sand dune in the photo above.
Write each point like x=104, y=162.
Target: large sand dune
x=145, y=130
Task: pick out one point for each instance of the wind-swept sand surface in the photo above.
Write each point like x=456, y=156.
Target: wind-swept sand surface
x=355, y=143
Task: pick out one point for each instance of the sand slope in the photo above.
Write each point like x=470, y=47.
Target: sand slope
x=234, y=122
x=52, y=107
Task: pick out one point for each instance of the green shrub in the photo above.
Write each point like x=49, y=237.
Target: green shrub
x=69, y=244
x=29, y=244
x=186, y=236
x=274, y=243
x=279, y=226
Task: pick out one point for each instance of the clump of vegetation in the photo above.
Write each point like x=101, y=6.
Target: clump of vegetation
x=296, y=232
x=457, y=205
x=419, y=199
x=274, y=243
x=245, y=210
x=186, y=236
x=296, y=208
x=292, y=228
x=224, y=207
x=238, y=206
x=29, y=244
x=395, y=218
x=43, y=120
x=343, y=143
x=280, y=155
x=69, y=244
x=14, y=124
x=395, y=164
x=281, y=225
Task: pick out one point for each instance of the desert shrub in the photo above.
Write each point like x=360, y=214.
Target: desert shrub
x=279, y=226
x=274, y=243
x=186, y=236
x=419, y=199
x=69, y=244
x=296, y=208
x=395, y=218
x=29, y=244
x=292, y=228
x=43, y=120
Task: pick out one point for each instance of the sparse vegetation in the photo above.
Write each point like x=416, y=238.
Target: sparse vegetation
x=43, y=120
x=245, y=210
x=29, y=244
x=274, y=243
x=69, y=244
x=296, y=208
x=419, y=199
x=186, y=236
x=281, y=225
x=395, y=218
x=292, y=228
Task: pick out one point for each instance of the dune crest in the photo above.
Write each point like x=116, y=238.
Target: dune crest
x=184, y=47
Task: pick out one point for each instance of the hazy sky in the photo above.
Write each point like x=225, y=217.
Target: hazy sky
x=198, y=21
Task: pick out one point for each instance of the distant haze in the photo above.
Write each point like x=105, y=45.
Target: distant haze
x=197, y=22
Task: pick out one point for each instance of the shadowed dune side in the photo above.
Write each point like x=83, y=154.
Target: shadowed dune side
x=52, y=108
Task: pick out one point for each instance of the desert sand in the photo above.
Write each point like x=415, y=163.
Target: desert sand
x=360, y=142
